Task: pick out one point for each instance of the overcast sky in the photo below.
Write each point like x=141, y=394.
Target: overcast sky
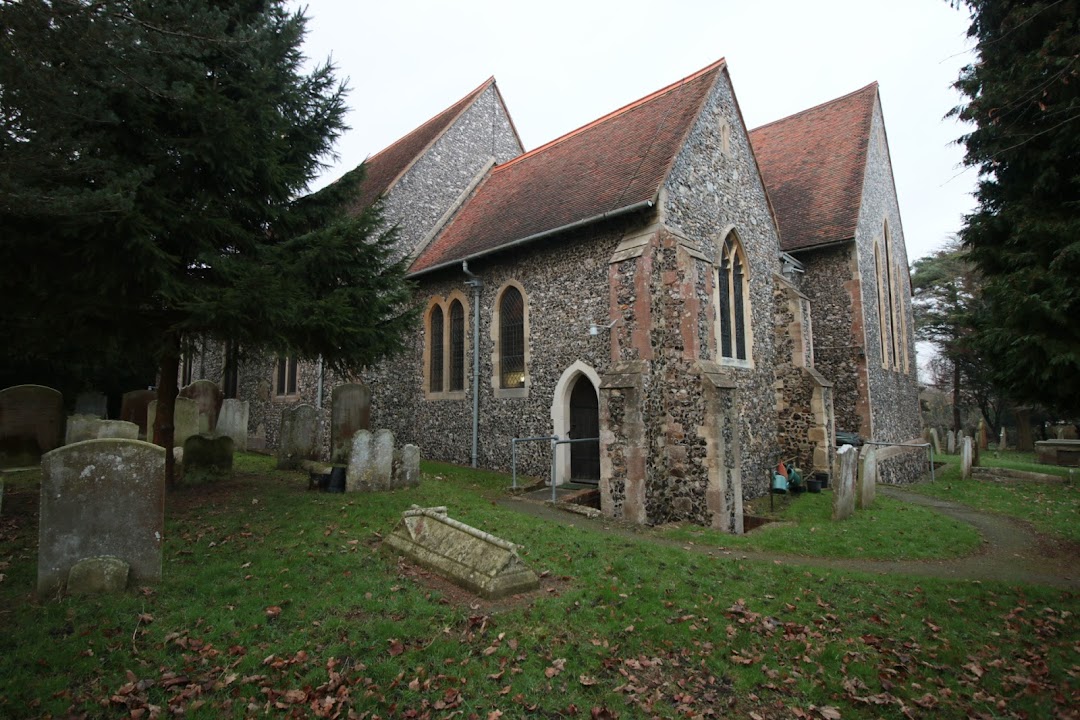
x=562, y=63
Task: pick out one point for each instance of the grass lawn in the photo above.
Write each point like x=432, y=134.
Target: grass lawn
x=277, y=602
x=889, y=530
x=1053, y=509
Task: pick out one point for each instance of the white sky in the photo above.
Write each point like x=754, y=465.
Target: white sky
x=560, y=64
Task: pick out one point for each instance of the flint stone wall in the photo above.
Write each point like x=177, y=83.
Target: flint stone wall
x=101, y=497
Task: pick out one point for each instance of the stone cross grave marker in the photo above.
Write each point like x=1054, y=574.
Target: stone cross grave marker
x=233, y=422
x=31, y=424
x=299, y=436
x=101, y=498
x=208, y=398
x=867, y=480
x=844, y=489
x=350, y=410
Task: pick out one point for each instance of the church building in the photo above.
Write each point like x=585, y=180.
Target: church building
x=705, y=300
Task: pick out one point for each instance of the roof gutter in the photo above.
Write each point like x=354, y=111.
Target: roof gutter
x=644, y=204
x=830, y=244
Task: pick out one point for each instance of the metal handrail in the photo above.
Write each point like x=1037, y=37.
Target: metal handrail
x=555, y=441
x=513, y=450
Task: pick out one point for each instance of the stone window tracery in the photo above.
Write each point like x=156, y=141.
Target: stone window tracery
x=445, y=347
x=510, y=336
x=732, y=301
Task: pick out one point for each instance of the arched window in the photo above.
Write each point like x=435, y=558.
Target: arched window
x=435, y=347
x=882, y=305
x=457, y=346
x=732, y=301
x=511, y=339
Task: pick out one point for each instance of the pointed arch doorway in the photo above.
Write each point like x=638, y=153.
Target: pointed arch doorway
x=575, y=413
x=584, y=423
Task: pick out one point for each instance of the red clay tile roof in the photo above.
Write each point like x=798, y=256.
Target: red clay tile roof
x=611, y=164
x=813, y=165
x=390, y=163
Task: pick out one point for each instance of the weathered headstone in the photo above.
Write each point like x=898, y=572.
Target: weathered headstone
x=847, y=458
x=299, y=436
x=382, y=459
x=935, y=441
x=350, y=410
x=965, y=458
x=101, y=497
x=983, y=441
x=104, y=574
x=471, y=558
x=31, y=424
x=207, y=458
x=867, y=480
x=950, y=442
x=407, y=467
x=90, y=427
x=92, y=403
x=185, y=420
x=233, y=422
x=1065, y=453
x=1002, y=438
x=133, y=408
x=359, y=477
x=208, y=398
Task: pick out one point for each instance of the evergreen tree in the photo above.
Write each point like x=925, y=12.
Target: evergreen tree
x=1023, y=97
x=153, y=158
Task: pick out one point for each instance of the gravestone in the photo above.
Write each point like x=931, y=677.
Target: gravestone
x=299, y=436
x=350, y=410
x=133, y=408
x=359, y=476
x=935, y=441
x=233, y=422
x=101, y=497
x=471, y=558
x=185, y=420
x=92, y=403
x=208, y=398
x=867, y=480
x=983, y=441
x=844, y=489
x=31, y=424
x=207, y=458
x=90, y=427
x=965, y=458
x=407, y=467
x=105, y=574
x=950, y=442
x=1064, y=453
x=382, y=459
x=1002, y=438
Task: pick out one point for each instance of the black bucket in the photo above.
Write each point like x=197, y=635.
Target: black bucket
x=337, y=479
x=822, y=478
x=813, y=485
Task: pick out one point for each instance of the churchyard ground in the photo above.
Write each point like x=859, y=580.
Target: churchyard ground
x=277, y=602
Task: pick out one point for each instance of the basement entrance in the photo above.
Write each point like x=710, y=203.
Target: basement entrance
x=584, y=423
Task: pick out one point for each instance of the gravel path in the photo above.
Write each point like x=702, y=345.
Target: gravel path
x=1012, y=551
